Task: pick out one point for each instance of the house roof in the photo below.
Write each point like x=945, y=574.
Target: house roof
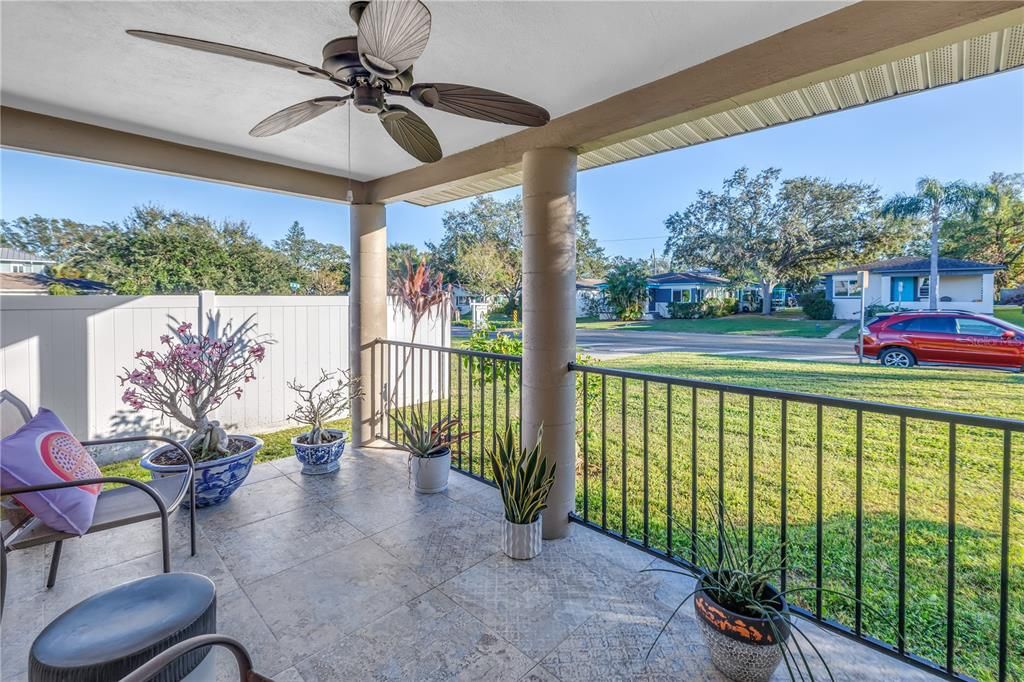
x=588, y=282
x=8, y=253
x=915, y=264
x=34, y=281
x=686, y=278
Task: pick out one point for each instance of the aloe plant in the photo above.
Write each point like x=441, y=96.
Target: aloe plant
x=429, y=440
x=523, y=477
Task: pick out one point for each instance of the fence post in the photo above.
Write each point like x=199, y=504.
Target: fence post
x=207, y=308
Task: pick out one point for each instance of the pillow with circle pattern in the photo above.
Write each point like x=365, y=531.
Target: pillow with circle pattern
x=44, y=451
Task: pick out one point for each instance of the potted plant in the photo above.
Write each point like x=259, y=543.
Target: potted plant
x=429, y=448
x=186, y=380
x=745, y=621
x=319, y=449
x=524, y=481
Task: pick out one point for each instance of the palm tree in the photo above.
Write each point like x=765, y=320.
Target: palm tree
x=933, y=201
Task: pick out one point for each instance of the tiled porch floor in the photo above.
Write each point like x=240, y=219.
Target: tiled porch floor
x=353, y=576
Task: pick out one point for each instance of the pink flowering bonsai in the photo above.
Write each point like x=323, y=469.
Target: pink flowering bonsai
x=193, y=374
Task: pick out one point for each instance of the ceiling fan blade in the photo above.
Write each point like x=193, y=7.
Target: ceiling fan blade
x=232, y=51
x=486, y=105
x=392, y=35
x=411, y=133
x=295, y=115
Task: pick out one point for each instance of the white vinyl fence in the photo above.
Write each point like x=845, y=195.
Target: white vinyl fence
x=65, y=352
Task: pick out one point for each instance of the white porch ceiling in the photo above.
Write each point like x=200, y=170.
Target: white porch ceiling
x=980, y=55
x=73, y=60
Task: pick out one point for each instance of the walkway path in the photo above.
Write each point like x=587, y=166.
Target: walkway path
x=840, y=330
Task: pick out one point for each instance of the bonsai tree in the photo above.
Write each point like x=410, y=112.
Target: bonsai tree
x=328, y=398
x=523, y=478
x=192, y=376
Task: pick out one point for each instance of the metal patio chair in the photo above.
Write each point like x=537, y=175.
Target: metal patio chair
x=134, y=502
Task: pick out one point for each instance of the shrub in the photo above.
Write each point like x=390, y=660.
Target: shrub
x=816, y=306
x=626, y=290
x=503, y=344
x=709, y=307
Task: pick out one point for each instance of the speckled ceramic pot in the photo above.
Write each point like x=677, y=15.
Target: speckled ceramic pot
x=521, y=540
x=322, y=458
x=744, y=649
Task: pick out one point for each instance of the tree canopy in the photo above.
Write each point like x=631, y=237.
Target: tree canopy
x=766, y=230
x=481, y=248
x=158, y=251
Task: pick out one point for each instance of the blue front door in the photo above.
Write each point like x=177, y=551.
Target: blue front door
x=903, y=289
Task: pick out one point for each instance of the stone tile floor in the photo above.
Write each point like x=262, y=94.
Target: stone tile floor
x=353, y=576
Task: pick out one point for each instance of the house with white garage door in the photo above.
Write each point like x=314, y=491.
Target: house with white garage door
x=904, y=283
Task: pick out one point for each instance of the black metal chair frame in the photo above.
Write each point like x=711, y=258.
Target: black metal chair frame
x=163, y=508
x=152, y=668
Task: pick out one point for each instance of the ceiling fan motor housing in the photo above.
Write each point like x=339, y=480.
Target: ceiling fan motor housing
x=368, y=99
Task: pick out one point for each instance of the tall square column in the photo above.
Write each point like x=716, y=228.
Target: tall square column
x=368, y=312
x=549, y=321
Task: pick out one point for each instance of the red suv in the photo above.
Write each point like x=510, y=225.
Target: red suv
x=945, y=337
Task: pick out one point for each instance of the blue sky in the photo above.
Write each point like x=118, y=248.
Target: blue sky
x=965, y=131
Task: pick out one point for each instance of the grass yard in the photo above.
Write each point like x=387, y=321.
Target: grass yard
x=619, y=470
x=1013, y=314
x=783, y=323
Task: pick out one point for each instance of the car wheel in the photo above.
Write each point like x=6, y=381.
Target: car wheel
x=897, y=357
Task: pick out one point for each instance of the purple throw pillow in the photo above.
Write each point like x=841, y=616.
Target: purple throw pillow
x=44, y=451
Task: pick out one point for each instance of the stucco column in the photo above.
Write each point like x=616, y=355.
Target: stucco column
x=368, y=312
x=549, y=326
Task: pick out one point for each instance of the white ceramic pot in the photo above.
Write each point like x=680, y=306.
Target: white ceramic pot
x=430, y=474
x=521, y=540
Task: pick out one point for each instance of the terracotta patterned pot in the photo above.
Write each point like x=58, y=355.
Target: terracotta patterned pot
x=744, y=649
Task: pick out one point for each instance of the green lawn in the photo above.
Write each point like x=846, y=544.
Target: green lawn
x=783, y=323
x=1013, y=314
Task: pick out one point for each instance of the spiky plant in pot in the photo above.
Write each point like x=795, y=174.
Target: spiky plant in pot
x=319, y=449
x=744, y=620
x=429, y=447
x=524, y=480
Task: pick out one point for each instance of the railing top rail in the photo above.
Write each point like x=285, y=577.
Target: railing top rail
x=455, y=351
x=1001, y=423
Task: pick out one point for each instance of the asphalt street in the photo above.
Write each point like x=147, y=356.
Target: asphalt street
x=607, y=344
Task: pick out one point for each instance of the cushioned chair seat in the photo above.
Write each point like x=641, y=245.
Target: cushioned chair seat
x=117, y=507
x=114, y=632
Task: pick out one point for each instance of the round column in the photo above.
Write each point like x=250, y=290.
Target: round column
x=368, y=312
x=549, y=322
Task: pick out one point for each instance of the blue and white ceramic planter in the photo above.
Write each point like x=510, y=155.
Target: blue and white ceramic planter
x=216, y=479
x=323, y=458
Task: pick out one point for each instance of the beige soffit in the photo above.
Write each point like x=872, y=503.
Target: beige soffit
x=981, y=54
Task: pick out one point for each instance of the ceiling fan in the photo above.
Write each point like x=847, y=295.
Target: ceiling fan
x=372, y=66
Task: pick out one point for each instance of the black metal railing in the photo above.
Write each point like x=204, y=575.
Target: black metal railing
x=482, y=390
x=916, y=513
x=908, y=510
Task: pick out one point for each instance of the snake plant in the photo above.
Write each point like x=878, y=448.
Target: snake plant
x=523, y=478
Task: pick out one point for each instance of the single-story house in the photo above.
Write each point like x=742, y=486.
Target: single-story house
x=463, y=299
x=903, y=283
x=38, y=284
x=16, y=260
x=683, y=287
x=588, y=291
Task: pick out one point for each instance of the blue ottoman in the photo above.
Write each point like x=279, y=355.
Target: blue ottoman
x=112, y=633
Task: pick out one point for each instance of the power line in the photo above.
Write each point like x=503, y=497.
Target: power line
x=633, y=239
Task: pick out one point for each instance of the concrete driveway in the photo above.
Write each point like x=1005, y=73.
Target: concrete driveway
x=606, y=344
